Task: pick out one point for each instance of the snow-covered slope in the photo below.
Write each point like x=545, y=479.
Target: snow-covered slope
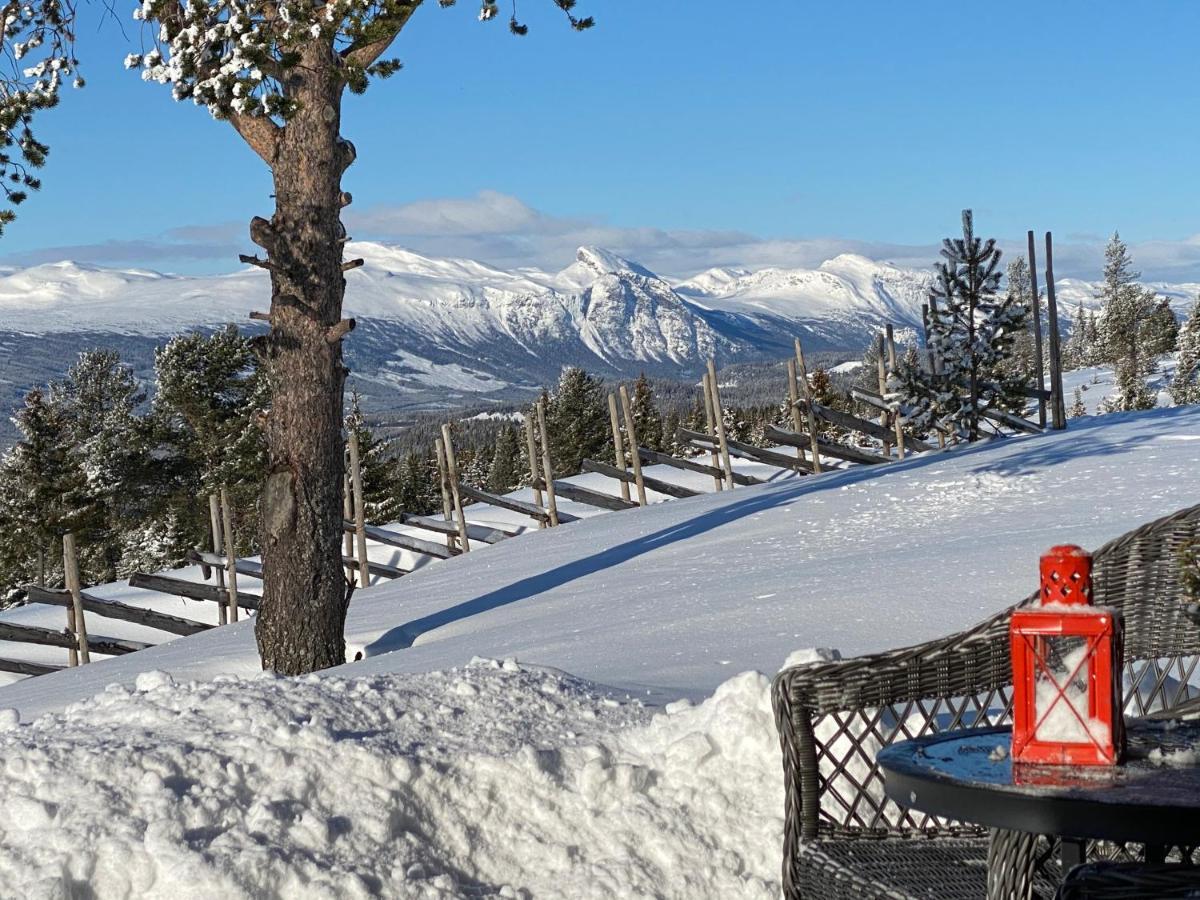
x=422, y=771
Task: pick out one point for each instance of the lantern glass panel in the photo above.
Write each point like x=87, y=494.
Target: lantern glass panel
x=1062, y=702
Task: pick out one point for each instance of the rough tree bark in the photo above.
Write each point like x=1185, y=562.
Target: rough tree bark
x=300, y=624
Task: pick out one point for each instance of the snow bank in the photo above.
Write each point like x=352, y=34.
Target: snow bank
x=492, y=780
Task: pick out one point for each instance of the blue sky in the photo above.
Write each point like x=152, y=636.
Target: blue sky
x=686, y=134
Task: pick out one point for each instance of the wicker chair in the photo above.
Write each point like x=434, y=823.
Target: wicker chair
x=1130, y=881
x=843, y=838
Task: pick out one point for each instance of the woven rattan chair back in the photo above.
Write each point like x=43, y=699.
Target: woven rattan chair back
x=834, y=717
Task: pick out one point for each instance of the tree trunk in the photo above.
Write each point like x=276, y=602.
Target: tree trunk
x=300, y=626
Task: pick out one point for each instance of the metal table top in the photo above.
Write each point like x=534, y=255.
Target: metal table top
x=1152, y=798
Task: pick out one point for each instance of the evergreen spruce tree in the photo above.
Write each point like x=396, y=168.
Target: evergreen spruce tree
x=208, y=399
x=99, y=400
x=504, y=474
x=577, y=422
x=1185, y=386
x=646, y=417
x=1078, y=407
x=380, y=473
x=1162, y=331
x=1127, y=307
x=1022, y=359
x=971, y=331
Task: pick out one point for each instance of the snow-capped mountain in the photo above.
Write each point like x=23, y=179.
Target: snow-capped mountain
x=447, y=331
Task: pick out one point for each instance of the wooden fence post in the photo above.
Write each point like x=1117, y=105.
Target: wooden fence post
x=1036, y=305
x=347, y=515
x=794, y=404
x=214, y=521
x=547, y=469
x=452, y=469
x=719, y=417
x=631, y=431
x=360, y=510
x=230, y=555
x=882, y=377
x=531, y=451
x=891, y=351
x=71, y=576
x=711, y=423
x=808, y=398
x=444, y=479
x=618, y=447
x=1058, y=406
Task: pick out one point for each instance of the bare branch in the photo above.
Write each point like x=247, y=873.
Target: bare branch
x=362, y=55
x=255, y=261
x=339, y=331
x=352, y=264
x=260, y=316
x=260, y=133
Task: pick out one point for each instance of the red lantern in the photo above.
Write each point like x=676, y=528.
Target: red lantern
x=1066, y=660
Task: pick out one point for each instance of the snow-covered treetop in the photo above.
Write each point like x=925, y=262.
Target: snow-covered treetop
x=234, y=56
x=39, y=56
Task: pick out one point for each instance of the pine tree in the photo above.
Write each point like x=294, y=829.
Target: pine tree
x=278, y=75
x=208, y=399
x=1185, y=386
x=504, y=473
x=1162, y=332
x=380, y=473
x=577, y=422
x=1022, y=360
x=646, y=417
x=1078, y=408
x=1126, y=309
x=971, y=331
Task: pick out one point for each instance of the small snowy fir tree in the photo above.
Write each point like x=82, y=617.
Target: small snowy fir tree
x=504, y=473
x=646, y=417
x=1022, y=360
x=1126, y=309
x=971, y=332
x=1078, y=408
x=1162, y=331
x=1185, y=386
x=577, y=422
x=379, y=470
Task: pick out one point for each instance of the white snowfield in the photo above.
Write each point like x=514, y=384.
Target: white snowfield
x=422, y=771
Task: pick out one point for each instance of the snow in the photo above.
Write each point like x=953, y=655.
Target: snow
x=491, y=780
x=651, y=769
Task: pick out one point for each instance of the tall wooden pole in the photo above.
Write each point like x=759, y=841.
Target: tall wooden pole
x=531, y=450
x=891, y=355
x=547, y=468
x=631, y=431
x=806, y=388
x=452, y=471
x=230, y=554
x=794, y=404
x=71, y=573
x=444, y=478
x=618, y=446
x=360, y=510
x=719, y=417
x=933, y=369
x=710, y=420
x=1058, y=405
x=1036, y=306
x=348, y=515
x=882, y=379
x=218, y=547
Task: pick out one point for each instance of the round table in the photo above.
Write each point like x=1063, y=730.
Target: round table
x=1153, y=798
